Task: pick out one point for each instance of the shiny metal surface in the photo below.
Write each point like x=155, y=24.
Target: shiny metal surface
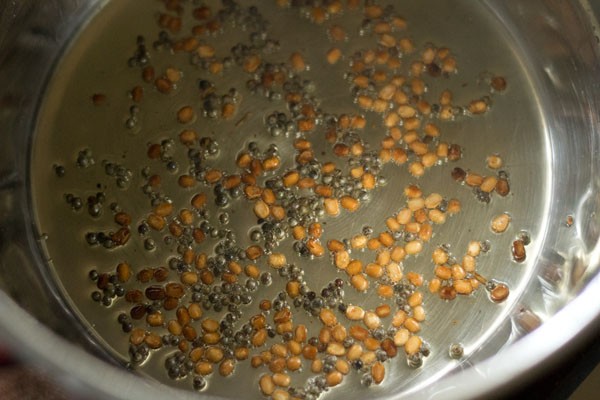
x=556, y=67
x=65, y=126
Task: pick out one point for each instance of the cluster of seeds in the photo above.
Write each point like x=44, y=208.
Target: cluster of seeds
x=85, y=159
x=453, y=278
x=110, y=286
x=483, y=186
x=121, y=174
x=204, y=304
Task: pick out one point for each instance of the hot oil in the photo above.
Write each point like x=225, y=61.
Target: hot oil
x=96, y=63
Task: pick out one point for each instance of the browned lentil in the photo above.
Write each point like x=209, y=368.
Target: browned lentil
x=499, y=293
x=498, y=83
x=518, y=250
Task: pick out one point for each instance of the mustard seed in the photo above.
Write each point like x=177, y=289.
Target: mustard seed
x=456, y=351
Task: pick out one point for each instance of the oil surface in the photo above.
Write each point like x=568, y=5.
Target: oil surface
x=96, y=62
